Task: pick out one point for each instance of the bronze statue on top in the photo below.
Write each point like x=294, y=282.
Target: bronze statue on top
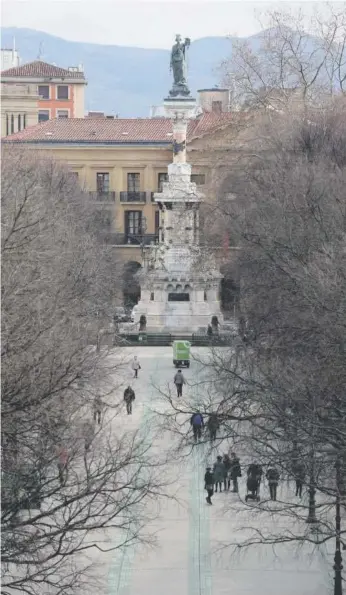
x=178, y=65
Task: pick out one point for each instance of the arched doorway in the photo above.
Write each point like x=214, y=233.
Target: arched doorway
x=131, y=287
x=229, y=292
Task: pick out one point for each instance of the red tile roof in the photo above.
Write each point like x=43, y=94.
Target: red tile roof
x=104, y=130
x=39, y=69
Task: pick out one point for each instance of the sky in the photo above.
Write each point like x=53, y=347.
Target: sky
x=142, y=23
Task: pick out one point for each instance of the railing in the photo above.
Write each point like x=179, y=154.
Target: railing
x=103, y=196
x=123, y=239
x=132, y=196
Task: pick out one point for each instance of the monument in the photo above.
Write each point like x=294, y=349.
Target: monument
x=178, y=293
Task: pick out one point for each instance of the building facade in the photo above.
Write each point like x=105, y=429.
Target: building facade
x=60, y=91
x=121, y=163
x=19, y=107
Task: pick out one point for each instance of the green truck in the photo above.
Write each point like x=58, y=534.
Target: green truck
x=181, y=353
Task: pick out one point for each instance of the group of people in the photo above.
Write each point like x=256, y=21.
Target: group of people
x=226, y=469
x=198, y=425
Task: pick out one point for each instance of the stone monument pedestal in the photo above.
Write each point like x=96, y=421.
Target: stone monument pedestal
x=179, y=286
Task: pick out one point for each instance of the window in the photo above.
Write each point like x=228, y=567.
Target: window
x=133, y=183
x=199, y=179
x=19, y=122
x=62, y=92
x=75, y=175
x=152, y=296
x=133, y=222
x=43, y=115
x=216, y=106
x=62, y=113
x=24, y=121
x=7, y=126
x=12, y=123
x=102, y=182
x=43, y=91
x=160, y=179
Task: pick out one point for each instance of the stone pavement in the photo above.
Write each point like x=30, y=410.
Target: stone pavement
x=190, y=558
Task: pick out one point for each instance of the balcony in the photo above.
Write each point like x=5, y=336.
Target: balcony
x=123, y=239
x=102, y=196
x=132, y=196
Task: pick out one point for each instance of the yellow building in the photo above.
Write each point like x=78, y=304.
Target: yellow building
x=19, y=107
x=122, y=162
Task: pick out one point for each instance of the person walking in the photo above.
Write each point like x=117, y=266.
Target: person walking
x=235, y=472
x=129, y=397
x=273, y=477
x=197, y=424
x=227, y=480
x=179, y=380
x=299, y=475
x=254, y=476
x=136, y=366
x=213, y=426
x=219, y=473
x=209, y=484
x=97, y=406
x=62, y=464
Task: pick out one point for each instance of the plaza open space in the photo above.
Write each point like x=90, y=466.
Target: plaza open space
x=191, y=556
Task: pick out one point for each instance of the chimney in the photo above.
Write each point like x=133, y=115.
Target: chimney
x=214, y=100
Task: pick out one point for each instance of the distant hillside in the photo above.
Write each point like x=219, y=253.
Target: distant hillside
x=123, y=80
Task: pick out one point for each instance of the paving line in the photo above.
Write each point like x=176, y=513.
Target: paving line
x=120, y=574
x=200, y=575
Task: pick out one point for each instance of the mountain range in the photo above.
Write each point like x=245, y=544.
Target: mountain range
x=123, y=80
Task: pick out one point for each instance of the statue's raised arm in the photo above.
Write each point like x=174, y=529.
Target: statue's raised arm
x=178, y=65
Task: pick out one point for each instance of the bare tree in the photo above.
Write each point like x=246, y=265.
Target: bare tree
x=63, y=476
x=297, y=62
x=279, y=395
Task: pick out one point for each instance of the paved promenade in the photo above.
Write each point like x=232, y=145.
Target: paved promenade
x=190, y=557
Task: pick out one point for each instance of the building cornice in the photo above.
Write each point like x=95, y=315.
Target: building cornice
x=82, y=143
x=39, y=80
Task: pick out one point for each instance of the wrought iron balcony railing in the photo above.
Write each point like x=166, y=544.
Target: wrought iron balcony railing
x=127, y=196
x=128, y=239
x=103, y=196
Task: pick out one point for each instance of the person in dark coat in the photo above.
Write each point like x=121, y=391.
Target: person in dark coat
x=235, y=471
x=179, y=380
x=273, y=477
x=213, y=426
x=299, y=475
x=227, y=480
x=209, y=484
x=129, y=397
x=219, y=473
x=254, y=476
x=197, y=423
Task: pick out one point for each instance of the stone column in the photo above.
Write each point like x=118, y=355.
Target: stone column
x=179, y=138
